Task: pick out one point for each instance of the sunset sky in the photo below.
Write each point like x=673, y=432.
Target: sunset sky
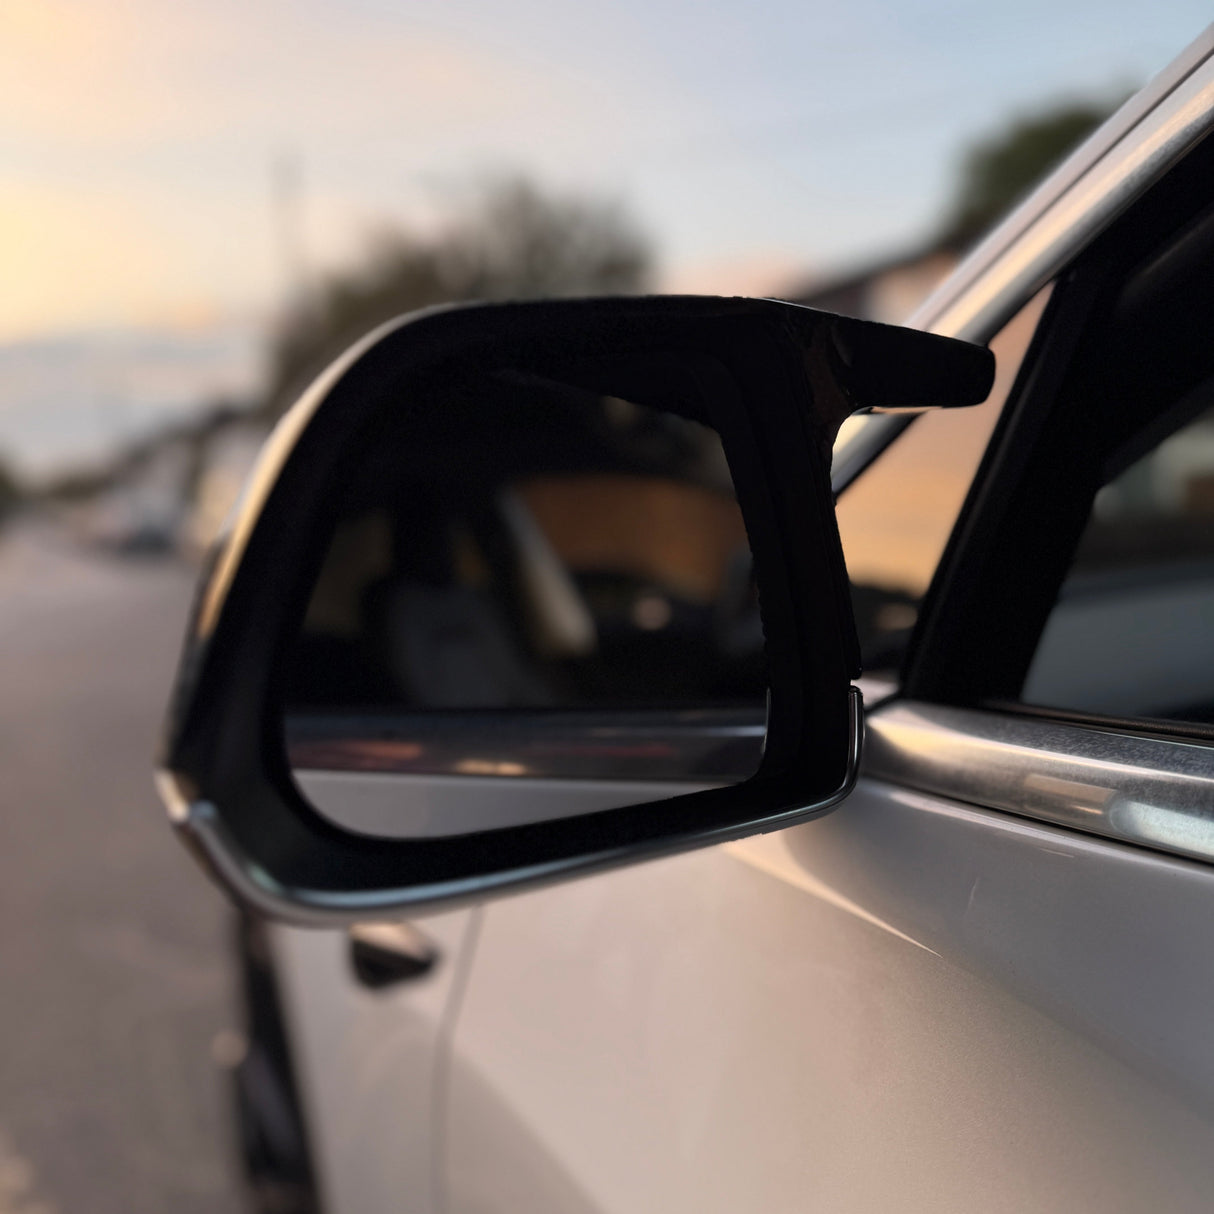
x=139, y=138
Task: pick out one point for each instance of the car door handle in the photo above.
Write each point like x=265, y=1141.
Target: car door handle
x=383, y=954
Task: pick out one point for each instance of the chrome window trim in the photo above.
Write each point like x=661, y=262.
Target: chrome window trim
x=1151, y=792
x=1095, y=184
x=1099, y=180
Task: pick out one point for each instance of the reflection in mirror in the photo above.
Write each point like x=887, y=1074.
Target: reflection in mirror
x=540, y=592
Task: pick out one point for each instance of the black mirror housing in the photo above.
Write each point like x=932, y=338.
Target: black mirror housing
x=773, y=380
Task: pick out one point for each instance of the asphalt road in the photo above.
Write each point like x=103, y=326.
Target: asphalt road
x=114, y=977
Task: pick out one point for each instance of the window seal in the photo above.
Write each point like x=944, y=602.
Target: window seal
x=1147, y=727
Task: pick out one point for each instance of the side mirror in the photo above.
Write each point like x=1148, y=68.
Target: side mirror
x=527, y=590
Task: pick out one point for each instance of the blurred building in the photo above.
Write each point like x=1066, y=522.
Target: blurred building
x=888, y=290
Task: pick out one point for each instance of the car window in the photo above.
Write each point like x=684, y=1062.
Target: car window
x=896, y=518
x=1132, y=631
x=1084, y=585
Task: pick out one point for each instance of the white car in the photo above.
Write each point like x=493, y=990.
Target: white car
x=985, y=981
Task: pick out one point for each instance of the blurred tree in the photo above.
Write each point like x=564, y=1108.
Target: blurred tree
x=515, y=242
x=998, y=171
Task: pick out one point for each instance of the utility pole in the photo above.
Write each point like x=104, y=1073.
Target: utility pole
x=287, y=187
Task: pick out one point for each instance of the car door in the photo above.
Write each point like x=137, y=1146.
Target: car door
x=984, y=983
x=365, y=1051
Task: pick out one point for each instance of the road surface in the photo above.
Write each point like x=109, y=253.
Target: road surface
x=115, y=984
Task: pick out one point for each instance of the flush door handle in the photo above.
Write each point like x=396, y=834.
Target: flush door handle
x=383, y=954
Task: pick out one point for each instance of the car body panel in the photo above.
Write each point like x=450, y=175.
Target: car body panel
x=366, y=1063
x=915, y=1004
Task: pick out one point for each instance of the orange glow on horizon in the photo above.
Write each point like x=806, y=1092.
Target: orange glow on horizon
x=895, y=522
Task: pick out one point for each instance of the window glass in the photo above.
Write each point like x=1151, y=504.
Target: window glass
x=510, y=540
x=473, y=568
x=1132, y=632
x=895, y=519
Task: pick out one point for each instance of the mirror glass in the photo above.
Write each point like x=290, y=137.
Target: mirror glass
x=537, y=590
